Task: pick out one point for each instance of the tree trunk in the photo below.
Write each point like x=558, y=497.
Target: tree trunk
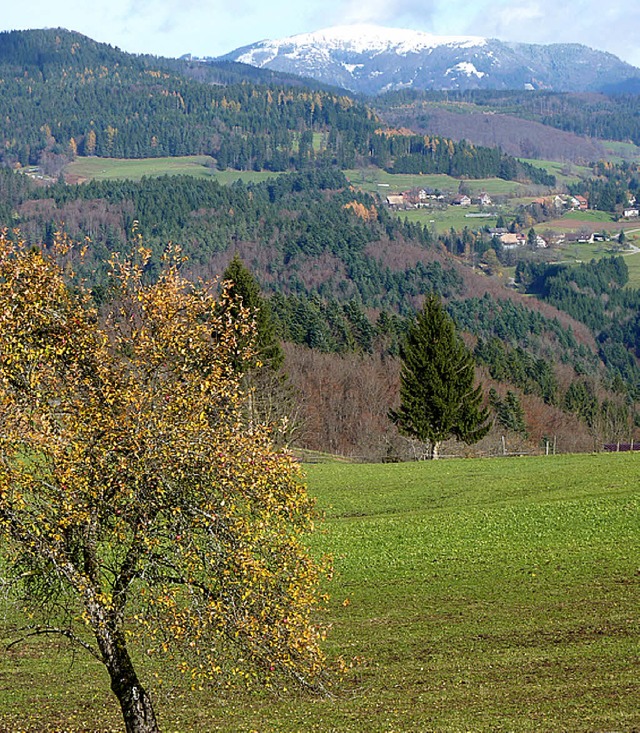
x=137, y=710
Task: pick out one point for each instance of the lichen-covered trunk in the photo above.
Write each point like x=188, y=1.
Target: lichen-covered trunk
x=137, y=709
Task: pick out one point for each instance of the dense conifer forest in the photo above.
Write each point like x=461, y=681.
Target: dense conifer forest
x=342, y=275
x=63, y=94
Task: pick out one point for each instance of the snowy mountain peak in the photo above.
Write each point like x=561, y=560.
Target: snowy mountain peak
x=358, y=39
x=371, y=59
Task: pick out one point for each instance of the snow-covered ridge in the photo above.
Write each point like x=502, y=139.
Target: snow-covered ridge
x=360, y=39
x=369, y=59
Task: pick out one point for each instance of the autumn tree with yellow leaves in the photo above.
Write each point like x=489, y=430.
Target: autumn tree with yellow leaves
x=137, y=505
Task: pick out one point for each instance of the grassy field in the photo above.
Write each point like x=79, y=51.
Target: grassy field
x=633, y=263
x=441, y=220
x=469, y=595
x=376, y=180
x=588, y=217
x=565, y=173
x=101, y=169
x=619, y=152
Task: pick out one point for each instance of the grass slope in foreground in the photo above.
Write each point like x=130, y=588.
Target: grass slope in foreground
x=470, y=595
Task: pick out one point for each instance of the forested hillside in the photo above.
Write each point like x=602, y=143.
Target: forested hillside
x=534, y=124
x=342, y=273
x=342, y=276
x=63, y=95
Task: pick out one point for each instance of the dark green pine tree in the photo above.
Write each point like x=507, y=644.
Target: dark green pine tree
x=509, y=412
x=245, y=292
x=437, y=393
x=271, y=399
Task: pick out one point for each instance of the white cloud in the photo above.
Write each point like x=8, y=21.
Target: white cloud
x=610, y=27
x=212, y=27
x=402, y=13
x=514, y=15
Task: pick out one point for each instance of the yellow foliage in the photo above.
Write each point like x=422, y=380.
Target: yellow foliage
x=361, y=211
x=128, y=470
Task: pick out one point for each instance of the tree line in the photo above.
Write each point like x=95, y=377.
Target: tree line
x=64, y=95
x=597, y=115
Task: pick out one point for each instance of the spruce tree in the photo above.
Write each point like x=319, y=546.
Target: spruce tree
x=437, y=392
x=509, y=412
x=271, y=398
x=245, y=292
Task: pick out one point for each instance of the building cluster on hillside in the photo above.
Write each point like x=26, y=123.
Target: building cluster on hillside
x=513, y=240
x=417, y=198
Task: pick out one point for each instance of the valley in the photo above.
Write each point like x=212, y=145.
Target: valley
x=210, y=277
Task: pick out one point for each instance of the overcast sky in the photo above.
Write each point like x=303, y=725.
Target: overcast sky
x=214, y=27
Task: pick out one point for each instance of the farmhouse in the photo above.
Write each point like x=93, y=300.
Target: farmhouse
x=583, y=204
x=497, y=231
x=416, y=197
x=557, y=239
x=511, y=241
x=395, y=200
x=462, y=200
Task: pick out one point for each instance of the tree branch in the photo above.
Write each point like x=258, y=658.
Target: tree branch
x=40, y=631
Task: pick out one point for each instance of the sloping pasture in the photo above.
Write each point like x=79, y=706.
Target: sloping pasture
x=468, y=595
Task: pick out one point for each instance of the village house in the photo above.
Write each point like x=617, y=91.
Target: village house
x=484, y=199
x=572, y=202
x=395, y=201
x=462, y=200
x=417, y=197
x=511, y=241
x=541, y=243
x=583, y=204
x=557, y=239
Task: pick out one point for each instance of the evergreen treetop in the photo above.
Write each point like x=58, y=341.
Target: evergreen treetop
x=437, y=392
x=244, y=291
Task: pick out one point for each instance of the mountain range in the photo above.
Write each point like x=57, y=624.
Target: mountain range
x=371, y=60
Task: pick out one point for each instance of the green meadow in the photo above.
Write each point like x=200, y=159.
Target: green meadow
x=588, y=217
x=565, y=173
x=618, y=151
x=201, y=166
x=376, y=180
x=633, y=263
x=468, y=595
x=440, y=221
